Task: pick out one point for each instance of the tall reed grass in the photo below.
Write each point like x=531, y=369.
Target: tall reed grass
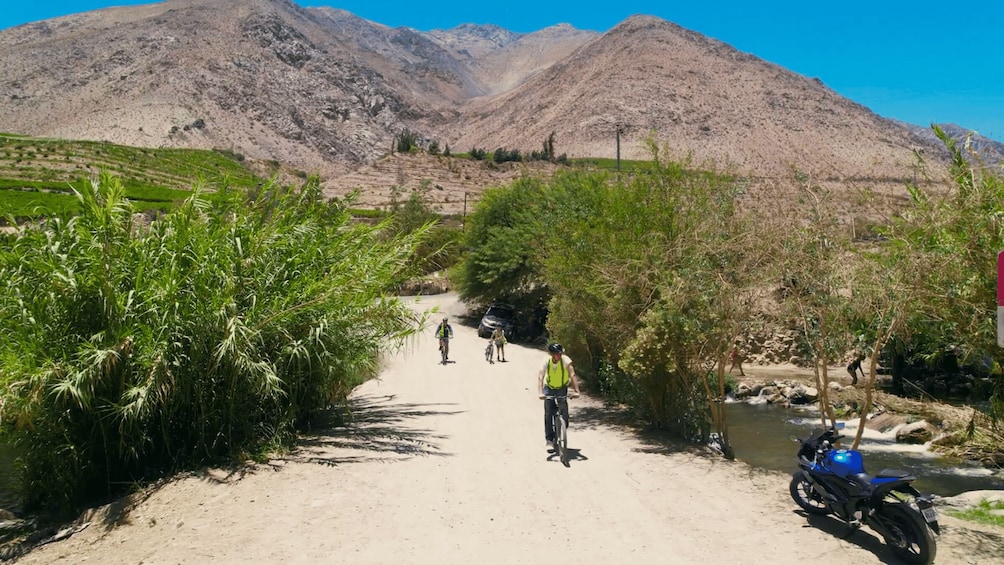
x=128, y=350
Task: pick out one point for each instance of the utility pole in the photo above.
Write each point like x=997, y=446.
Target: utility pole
x=618, y=147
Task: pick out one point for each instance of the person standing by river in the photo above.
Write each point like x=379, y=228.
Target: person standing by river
x=855, y=366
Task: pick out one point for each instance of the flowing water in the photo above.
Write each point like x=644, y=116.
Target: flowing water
x=760, y=437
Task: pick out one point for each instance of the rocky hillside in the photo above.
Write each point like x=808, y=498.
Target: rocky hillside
x=319, y=88
x=325, y=91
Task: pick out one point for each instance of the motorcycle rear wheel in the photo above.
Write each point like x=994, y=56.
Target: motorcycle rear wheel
x=805, y=496
x=911, y=539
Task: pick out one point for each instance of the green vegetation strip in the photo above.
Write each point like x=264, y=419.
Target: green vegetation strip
x=990, y=513
x=38, y=175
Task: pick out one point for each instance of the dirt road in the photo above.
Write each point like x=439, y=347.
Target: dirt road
x=447, y=464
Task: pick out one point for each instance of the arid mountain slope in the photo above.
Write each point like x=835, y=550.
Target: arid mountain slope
x=318, y=89
x=702, y=97
x=322, y=90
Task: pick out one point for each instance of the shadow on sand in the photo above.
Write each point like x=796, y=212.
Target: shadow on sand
x=573, y=455
x=370, y=428
x=981, y=546
x=653, y=440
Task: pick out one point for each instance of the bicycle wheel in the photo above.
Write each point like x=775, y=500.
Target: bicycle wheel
x=553, y=448
x=561, y=439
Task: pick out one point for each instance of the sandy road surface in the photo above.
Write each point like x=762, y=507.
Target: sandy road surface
x=447, y=464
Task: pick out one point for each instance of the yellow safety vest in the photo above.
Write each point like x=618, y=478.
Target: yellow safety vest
x=557, y=374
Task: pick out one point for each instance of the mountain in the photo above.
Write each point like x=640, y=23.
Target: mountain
x=989, y=151
x=323, y=90
x=648, y=74
x=320, y=89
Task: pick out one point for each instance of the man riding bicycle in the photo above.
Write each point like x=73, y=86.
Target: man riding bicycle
x=444, y=332
x=552, y=382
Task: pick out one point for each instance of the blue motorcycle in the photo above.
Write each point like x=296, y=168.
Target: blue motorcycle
x=834, y=481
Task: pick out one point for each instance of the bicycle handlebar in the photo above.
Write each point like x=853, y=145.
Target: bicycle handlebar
x=558, y=396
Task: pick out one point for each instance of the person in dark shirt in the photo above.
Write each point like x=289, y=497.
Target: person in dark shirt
x=854, y=367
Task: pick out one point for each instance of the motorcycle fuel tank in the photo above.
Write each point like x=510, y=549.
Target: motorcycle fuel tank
x=845, y=462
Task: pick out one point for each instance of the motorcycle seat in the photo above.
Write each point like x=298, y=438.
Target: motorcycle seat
x=862, y=479
x=892, y=474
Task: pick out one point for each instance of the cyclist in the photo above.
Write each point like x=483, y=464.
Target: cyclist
x=444, y=332
x=553, y=380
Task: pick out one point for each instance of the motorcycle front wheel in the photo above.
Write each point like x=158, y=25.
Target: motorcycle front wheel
x=805, y=496
x=910, y=539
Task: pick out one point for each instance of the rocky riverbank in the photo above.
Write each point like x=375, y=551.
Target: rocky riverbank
x=958, y=431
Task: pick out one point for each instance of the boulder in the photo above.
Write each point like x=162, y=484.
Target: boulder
x=972, y=498
x=917, y=432
x=885, y=422
x=803, y=394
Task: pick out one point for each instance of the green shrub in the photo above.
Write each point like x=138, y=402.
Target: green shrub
x=406, y=141
x=211, y=334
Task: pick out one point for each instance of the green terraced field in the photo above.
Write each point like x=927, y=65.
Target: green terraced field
x=38, y=175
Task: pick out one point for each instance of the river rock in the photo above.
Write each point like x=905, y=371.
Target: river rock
x=972, y=498
x=743, y=391
x=834, y=386
x=803, y=395
x=885, y=422
x=917, y=432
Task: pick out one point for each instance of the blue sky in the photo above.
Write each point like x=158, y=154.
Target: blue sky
x=918, y=61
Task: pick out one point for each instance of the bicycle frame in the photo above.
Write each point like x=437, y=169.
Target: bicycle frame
x=444, y=348
x=560, y=425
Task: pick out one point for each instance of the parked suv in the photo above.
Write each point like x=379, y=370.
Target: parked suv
x=498, y=315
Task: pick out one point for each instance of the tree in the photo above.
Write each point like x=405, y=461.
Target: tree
x=503, y=242
x=629, y=264
x=406, y=141
x=947, y=243
x=549, y=147
x=813, y=281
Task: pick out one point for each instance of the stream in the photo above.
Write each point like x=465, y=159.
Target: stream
x=760, y=437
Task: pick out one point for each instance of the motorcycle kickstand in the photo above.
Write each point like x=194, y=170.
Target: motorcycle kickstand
x=854, y=526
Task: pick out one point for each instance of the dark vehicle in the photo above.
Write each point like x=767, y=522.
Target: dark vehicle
x=498, y=315
x=834, y=481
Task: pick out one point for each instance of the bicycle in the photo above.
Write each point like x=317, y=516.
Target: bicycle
x=444, y=349
x=560, y=425
x=490, y=352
